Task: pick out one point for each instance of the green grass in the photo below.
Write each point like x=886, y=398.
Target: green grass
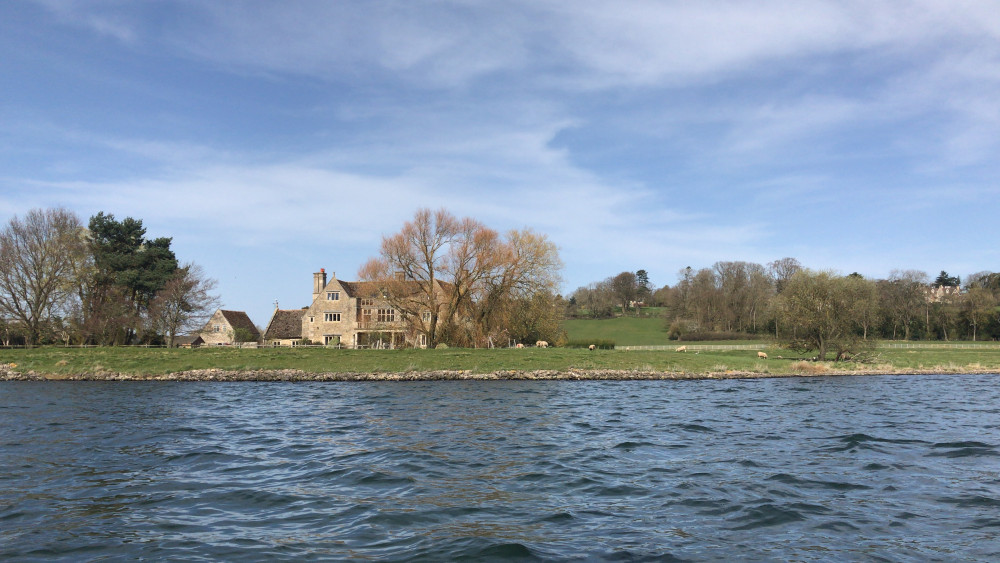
x=625, y=331
x=63, y=361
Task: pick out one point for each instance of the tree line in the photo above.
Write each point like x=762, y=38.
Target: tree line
x=106, y=283
x=786, y=300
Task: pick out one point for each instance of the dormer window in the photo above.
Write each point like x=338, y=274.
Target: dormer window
x=333, y=296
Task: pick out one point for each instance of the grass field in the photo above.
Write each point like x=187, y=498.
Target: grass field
x=630, y=331
x=66, y=361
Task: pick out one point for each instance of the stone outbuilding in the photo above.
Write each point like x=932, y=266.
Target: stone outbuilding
x=284, y=328
x=221, y=328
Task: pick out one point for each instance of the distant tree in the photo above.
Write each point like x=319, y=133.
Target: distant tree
x=537, y=318
x=985, y=280
x=625, y=289
x=782, y=270
x=596, y=300
x=979, y=308
x=863, y=297
x=644, y=288
x=944, y=280
x=819, y=306
x=127, y=267
x=38, y=256
x=184, y=303
x=904, y=299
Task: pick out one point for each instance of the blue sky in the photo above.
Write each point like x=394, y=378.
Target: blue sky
x=270, y=139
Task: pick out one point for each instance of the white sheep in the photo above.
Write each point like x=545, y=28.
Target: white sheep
x=681, y=349
x=591, y=347
x=541, y=344
x=762, y=355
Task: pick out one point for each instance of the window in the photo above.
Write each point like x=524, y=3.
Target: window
x=423, y=340
x=331, y=317
x=218, y=328
x=386, y=315
x=333, y=296
x=369, y=302
x=426, y=316
x=312, y=319
x=331, y=340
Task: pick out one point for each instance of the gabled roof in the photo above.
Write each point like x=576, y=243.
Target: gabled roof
x=285, y=324
x=239, y=319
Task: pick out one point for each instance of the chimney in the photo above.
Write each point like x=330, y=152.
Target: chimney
x=319, y=282
x=400, y=275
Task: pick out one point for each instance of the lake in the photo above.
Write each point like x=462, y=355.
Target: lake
x=878, y=468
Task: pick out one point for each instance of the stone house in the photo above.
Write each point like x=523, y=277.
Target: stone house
x=349, y=314
x=220, y=330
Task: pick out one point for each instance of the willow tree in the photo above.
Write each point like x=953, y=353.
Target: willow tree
x=820, y=309
x=458, y=281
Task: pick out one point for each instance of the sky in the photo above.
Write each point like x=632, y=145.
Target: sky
x=271, y=139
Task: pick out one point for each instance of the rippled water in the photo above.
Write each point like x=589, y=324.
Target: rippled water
x=850, y=468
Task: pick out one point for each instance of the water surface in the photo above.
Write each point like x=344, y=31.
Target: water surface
x=811, y=469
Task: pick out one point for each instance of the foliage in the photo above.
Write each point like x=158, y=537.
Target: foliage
x=128, y=272
x=243, y=335
x=817, y=309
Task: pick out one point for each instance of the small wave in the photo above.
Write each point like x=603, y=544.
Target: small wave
x=972, y=501
x=767, y=515
x=964, y=449
x=629, y=445
x=833, y=485
x=693, y=428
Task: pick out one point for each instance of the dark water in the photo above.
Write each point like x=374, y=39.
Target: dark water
x=819, y=469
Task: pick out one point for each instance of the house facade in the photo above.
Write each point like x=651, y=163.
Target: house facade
x=351, y=315
x=220, y=330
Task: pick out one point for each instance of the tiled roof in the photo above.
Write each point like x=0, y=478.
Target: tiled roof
x=239, y=319
x=285, y=324
x=371, y=289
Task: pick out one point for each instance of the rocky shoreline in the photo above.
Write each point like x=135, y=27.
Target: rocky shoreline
x=291, y=375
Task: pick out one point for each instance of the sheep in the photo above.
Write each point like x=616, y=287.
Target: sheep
x=762, y=355
x=591, y=347
x=541, y=344
x=681, y=349
x=519, y=345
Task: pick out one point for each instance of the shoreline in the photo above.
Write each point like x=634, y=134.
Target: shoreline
x=291, y=375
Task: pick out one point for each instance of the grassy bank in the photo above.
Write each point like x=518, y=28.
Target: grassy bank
x=63, y=361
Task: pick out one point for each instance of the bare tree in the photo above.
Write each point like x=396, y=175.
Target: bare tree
x=456, y=279
x=184, y=303
x=38, y=256
x=979, y=306
x=782, y=270
x=625, y=288
x=904, y=298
